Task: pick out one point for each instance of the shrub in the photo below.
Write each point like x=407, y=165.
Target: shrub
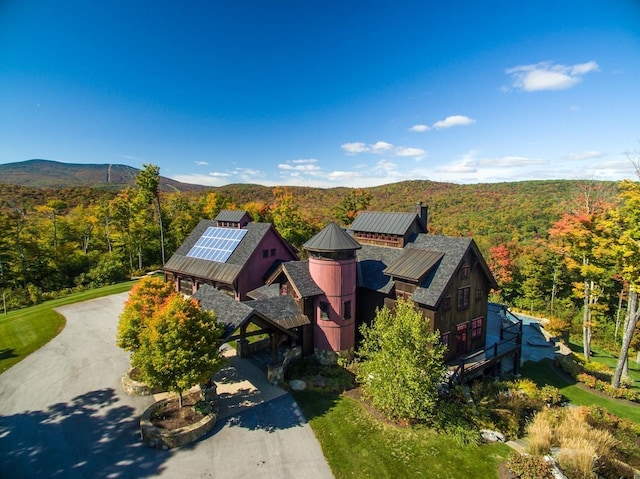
x=529, y=467
x=539, y=435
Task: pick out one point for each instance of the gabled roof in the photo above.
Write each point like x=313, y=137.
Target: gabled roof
x=437, y=256
x=384, y=222
x=277, y=313
x=281, y=309
x=222, y=272
x=435, y=283
x=414, y=264
x=298, y=274
x=234, y=216
x=332, y=238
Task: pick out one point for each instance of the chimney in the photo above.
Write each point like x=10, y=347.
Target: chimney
x=423, y=213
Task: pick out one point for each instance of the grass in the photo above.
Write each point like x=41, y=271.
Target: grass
x=544, y=373
x=358, y=445
x=26, y=330
x=605, y=357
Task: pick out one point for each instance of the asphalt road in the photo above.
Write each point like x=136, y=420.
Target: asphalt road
x=64, y=415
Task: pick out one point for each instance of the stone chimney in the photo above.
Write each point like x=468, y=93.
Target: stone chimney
x=423, y=214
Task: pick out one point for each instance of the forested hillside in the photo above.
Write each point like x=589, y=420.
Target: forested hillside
x=69, y=237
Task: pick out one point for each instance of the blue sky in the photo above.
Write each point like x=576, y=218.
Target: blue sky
x=320, y=93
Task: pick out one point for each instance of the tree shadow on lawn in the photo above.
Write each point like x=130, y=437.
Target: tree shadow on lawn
x=90, y=436
x=7, y=353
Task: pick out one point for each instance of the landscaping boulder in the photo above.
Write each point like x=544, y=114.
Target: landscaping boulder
x=492, y=436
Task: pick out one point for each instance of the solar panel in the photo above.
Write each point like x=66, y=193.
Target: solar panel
x=217, y=244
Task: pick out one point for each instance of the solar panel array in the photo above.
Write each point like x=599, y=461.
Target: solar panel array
x=217, y=244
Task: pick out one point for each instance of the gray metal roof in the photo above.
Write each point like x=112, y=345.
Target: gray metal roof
x=413, y=264
x=234, y=216
x=331, y=238
x=383, y=222
x=222, y=272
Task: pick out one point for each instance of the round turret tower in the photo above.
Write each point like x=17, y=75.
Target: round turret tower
x=332, y=265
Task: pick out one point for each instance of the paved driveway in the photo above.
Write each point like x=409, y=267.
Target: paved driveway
x=63, y=415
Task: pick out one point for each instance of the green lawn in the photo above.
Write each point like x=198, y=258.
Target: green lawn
x=605, y=357
x=543, y=373
x=26, y=330
x=358, y=445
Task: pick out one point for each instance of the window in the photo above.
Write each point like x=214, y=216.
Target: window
x=324, y=310
x=446, y=304
x=265, y=253
x=476, y=328
x=272, y=252
x=346, y=310
x=463, y=297
x=464, y=272
x=185, y=285
x=478, y=294
x=444, y=338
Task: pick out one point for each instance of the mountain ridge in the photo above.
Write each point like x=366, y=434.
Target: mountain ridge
x=56, y=174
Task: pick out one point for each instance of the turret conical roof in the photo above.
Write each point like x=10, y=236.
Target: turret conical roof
x=331, y=239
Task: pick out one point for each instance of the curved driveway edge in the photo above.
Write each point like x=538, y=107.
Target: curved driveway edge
x=63, y=414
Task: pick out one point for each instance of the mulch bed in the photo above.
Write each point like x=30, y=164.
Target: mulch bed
x=171, y=416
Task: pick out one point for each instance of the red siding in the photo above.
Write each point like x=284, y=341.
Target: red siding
x=337, y=278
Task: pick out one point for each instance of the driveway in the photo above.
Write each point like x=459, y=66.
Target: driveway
x=63, y=414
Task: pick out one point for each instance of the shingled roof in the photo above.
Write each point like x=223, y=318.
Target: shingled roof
x=222, y=272
x=438, y=256
x=454, y=249
x=384, y=222
x=332, y=238
x=300, y=278
x=280, y=313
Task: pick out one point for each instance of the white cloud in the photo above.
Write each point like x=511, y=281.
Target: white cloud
x=584, y=155
x=306, y=165
x=510, y=162
x=198, y=179
x=411, y=152
x=383, y=148
x=354, y=148
x=454, y=120
x=219, y=174
x=548, y=76
x=201, y=163
x=419, y=128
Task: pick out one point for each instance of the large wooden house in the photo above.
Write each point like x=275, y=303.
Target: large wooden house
x=350, y=273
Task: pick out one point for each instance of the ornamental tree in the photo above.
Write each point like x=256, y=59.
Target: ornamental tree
x=401, y=363
x=146, y=297
x=180, y=346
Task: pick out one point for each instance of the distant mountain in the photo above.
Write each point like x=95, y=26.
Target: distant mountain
x=54, y=174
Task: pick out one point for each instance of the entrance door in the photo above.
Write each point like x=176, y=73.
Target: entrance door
x=461, y=339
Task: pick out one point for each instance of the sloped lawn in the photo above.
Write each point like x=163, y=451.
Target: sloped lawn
x=356, y=444
x=26, y=330
x=544, y=373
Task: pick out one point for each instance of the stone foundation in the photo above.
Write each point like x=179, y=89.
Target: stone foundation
x=327, y=358
x=136, y=388
x=159, y=438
